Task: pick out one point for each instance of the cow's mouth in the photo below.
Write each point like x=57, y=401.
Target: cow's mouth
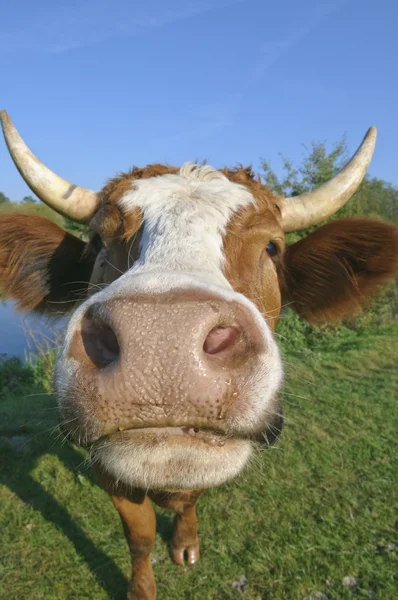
x=171, y=458
x=178, y=435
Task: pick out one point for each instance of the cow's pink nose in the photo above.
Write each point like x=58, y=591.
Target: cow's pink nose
x=101, y=345
x=165, y=360
x=221, y=338
x=169, y=334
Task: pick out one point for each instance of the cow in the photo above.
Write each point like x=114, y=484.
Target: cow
x=169, y=372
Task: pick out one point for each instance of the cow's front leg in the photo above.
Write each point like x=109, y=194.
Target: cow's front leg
x=139, y=523
x=185, y=542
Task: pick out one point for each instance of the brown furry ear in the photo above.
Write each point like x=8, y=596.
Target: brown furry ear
x=41, y=264
x=332, y=272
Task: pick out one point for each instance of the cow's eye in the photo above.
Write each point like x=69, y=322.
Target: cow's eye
x=272, y=249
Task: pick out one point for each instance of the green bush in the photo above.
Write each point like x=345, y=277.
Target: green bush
x=14, y=376
x=41, y=365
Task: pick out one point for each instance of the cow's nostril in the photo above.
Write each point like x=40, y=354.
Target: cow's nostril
x=99, y=340
x=221, y=338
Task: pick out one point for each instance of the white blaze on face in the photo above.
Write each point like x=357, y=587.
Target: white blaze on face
x=185, y=218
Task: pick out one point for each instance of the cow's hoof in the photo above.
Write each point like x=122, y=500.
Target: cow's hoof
x=185, y=553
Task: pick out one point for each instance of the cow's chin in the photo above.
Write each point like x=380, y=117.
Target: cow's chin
x=171, y=458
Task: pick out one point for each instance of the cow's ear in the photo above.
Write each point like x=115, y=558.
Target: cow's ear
x=330, y=274
x=42, y=267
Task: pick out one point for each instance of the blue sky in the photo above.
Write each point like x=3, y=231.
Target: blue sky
x=95, y=86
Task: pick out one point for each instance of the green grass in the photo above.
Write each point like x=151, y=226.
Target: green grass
x=320, y=506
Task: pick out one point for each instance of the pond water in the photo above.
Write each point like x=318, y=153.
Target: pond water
x=21, y=333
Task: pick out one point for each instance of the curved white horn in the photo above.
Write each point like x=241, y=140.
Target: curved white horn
x=311, y=208
x=67, y=199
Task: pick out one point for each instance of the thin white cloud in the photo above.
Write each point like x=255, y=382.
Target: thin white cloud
x=272, y=50
x=69, y=27
x=219, y=116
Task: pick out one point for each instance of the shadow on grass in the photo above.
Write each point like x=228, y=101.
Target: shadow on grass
x=164, y=527
x=17, y=463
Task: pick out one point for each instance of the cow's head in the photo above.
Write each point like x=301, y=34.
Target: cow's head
x=169, y=369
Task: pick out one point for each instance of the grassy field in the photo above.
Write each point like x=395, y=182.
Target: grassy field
x=319, y=507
